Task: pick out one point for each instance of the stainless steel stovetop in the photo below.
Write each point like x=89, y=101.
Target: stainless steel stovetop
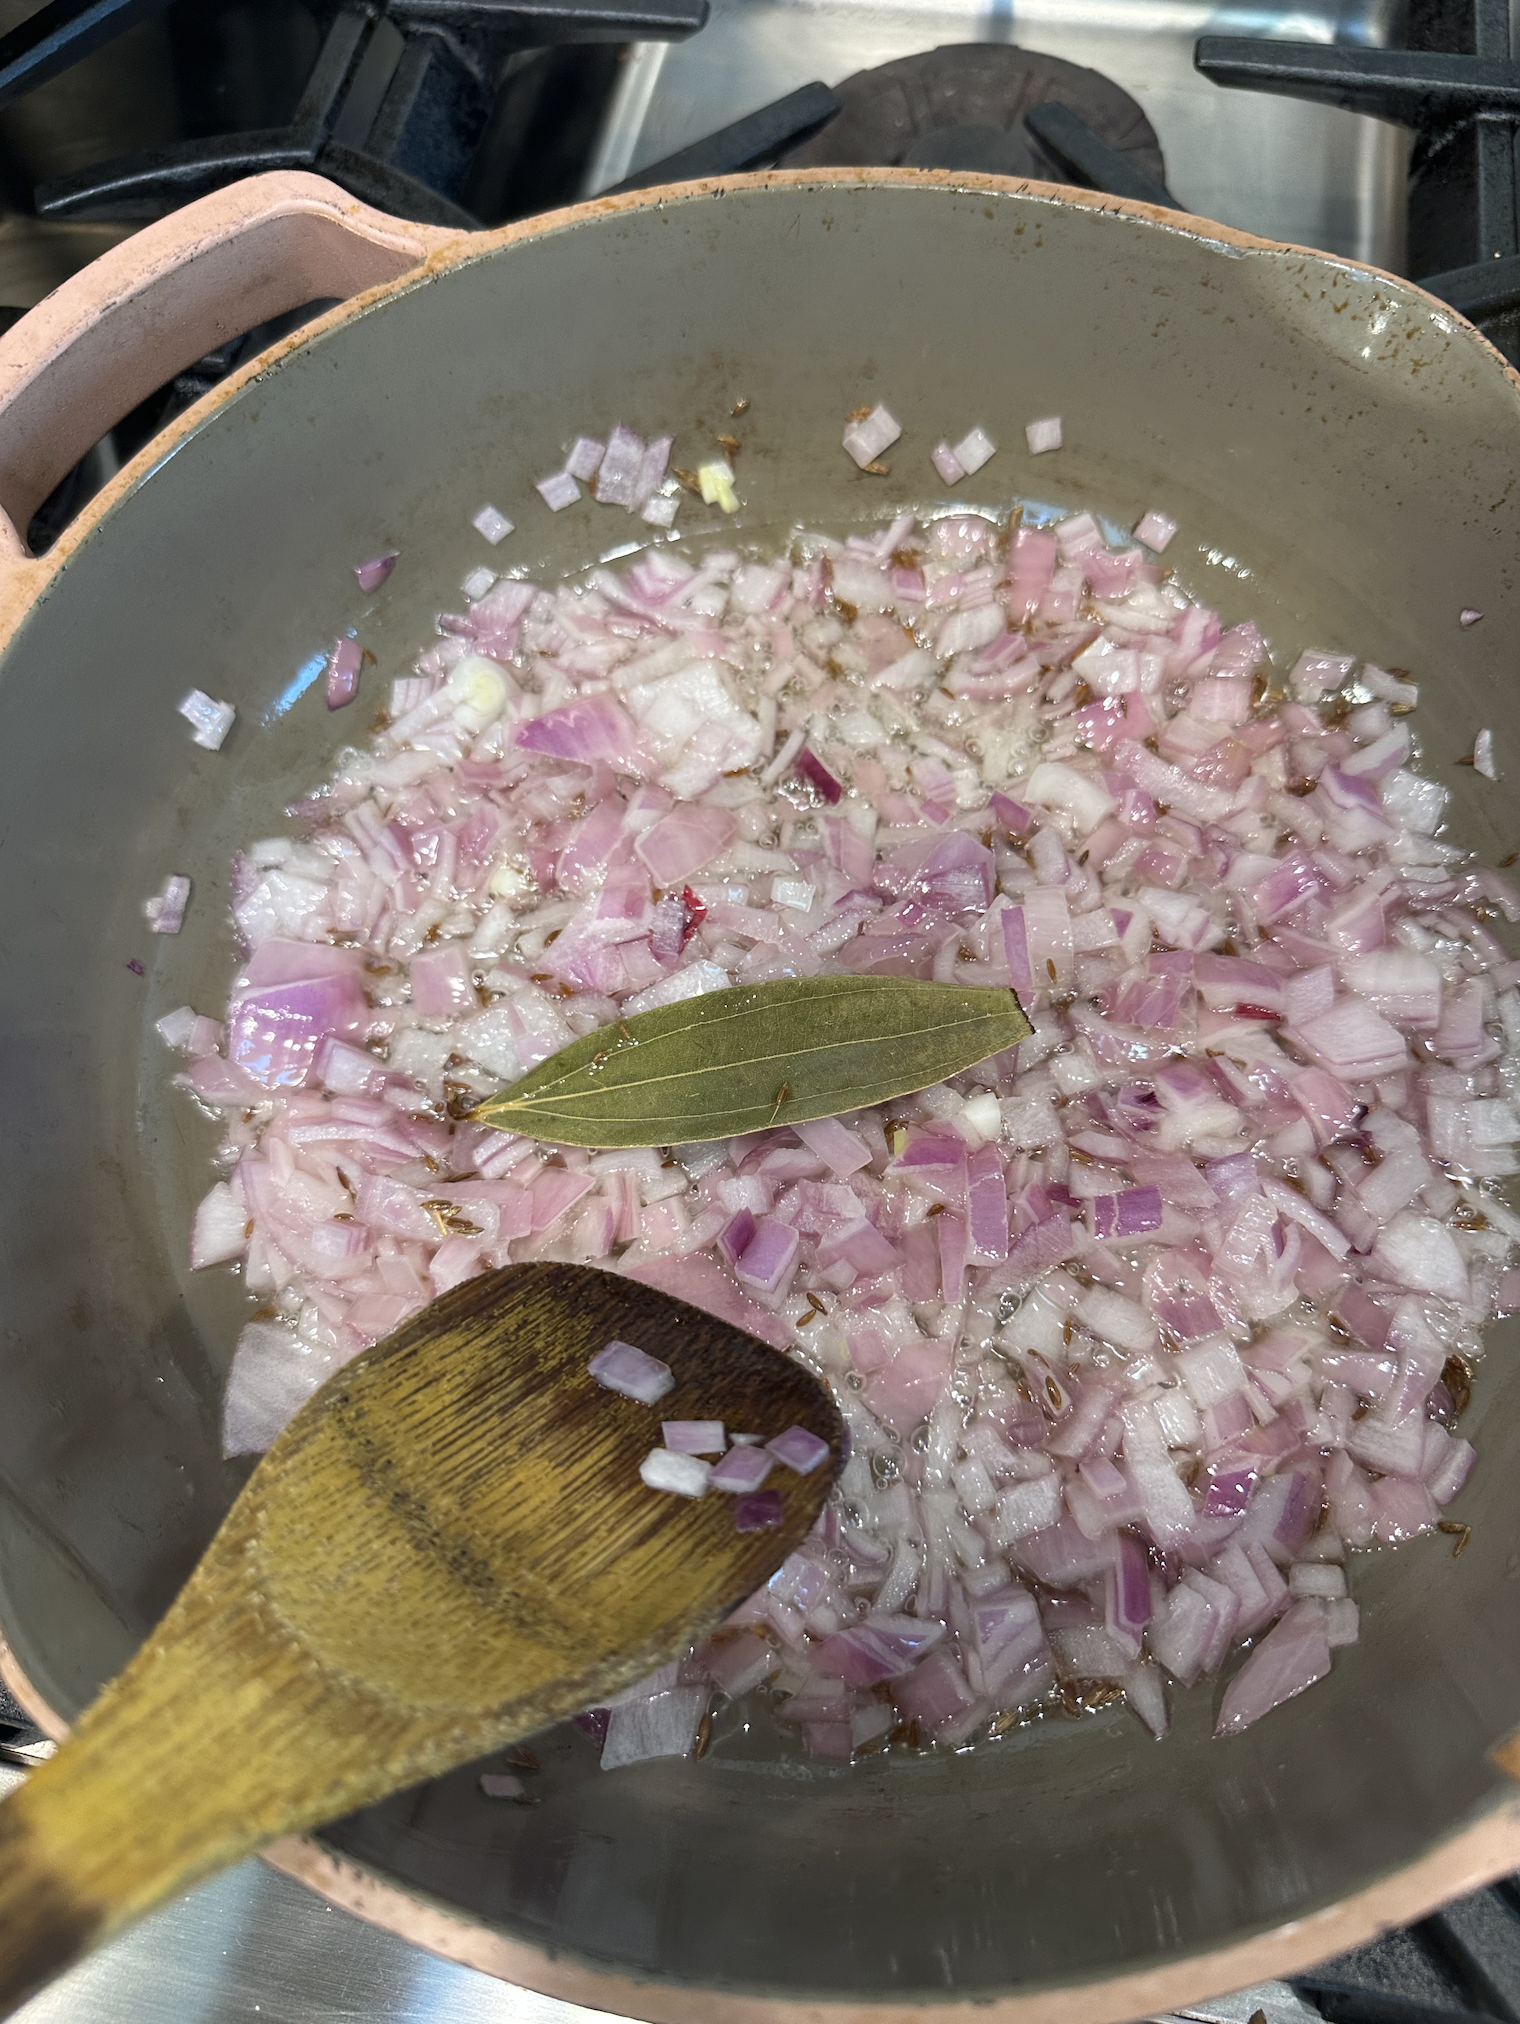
x=255, y=1948
x=1275, y=166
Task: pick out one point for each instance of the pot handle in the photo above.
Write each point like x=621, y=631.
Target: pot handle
x=71, y=368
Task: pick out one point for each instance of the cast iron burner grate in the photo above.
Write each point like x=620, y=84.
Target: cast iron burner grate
x=395, y=107
x=1461, y=1963
x=1458, y=89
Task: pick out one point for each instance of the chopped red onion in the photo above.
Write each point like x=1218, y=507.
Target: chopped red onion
x=492, y=525
x=1043, y=435
x=1117, y=1320
x=816, y=774
x=651, y=477
x=373, y=573
x=343, y=665
x=948, y=465
x=1468, y=616
x=622, y=1367
x=973, y=450
x=1289, y=1658
x=175, y=1028
x=220, y=1230
x=1316, y=674
x=866, y=438
x=618, y=473
x=501, y=1785
x=760, y=1511
x=661, y=1724
x=1131, y=1213
x=586, y=454
x=694, y=1437
x=680, y=1475
x=798, y=1449
x=741, y=1470
x=1483, y=755
x=767, y=1260
x=1155, y=530
x=736, y=1662
x=165, y=911
x=558, y=491
x=209, y=720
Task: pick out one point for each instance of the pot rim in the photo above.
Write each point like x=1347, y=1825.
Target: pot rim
x=25, y=580
x=1474, y=1855
x=1487, y=1848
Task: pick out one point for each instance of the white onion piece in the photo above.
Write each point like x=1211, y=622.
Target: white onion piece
x=165, y=911
x=209, y=720
x=494, y=526
x=866, y=438
x=679, y=1475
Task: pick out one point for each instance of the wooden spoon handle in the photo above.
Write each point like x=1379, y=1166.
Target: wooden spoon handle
x=44, y=1927
x=175, y=1772
x=222, y=1733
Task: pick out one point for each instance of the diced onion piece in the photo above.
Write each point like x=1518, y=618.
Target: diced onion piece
x=175, y=1028
x=742, y=1470
x=1483, y=755
x=799, y=1450
x=617, y=475
x=343, y=665
x=1315, y=674
x=209, y=720
x=813, y=770
x=716, y=480
x=1291, y=1657
x=1155, y=530
x=1043, y=435
x=622, y=1367
x=866, y=438
x=664, y=1724
x=166, y=910
x=973, y=450
x=477, y=688
x=373, y=573
x=694, y=1437
x=558, y=491
x=760, y=1511
x=492, y=525
x=948, y=465
x=585, y=455
x=680, y=1475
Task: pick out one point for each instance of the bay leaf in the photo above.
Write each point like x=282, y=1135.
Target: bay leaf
x=758, y=1054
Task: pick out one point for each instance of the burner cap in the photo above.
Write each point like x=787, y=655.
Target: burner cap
x=963, y=106
x=996, y=151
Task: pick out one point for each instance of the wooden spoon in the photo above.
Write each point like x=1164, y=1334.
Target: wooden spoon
x=449, y=1547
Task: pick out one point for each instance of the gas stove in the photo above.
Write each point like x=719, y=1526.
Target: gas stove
x=1381, y=130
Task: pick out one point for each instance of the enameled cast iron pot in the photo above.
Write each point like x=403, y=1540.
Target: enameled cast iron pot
x=1343, y=455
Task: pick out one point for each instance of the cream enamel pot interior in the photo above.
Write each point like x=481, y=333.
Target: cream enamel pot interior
x=1343, y=455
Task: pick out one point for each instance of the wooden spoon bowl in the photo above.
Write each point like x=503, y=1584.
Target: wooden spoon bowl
x=449, y=1547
